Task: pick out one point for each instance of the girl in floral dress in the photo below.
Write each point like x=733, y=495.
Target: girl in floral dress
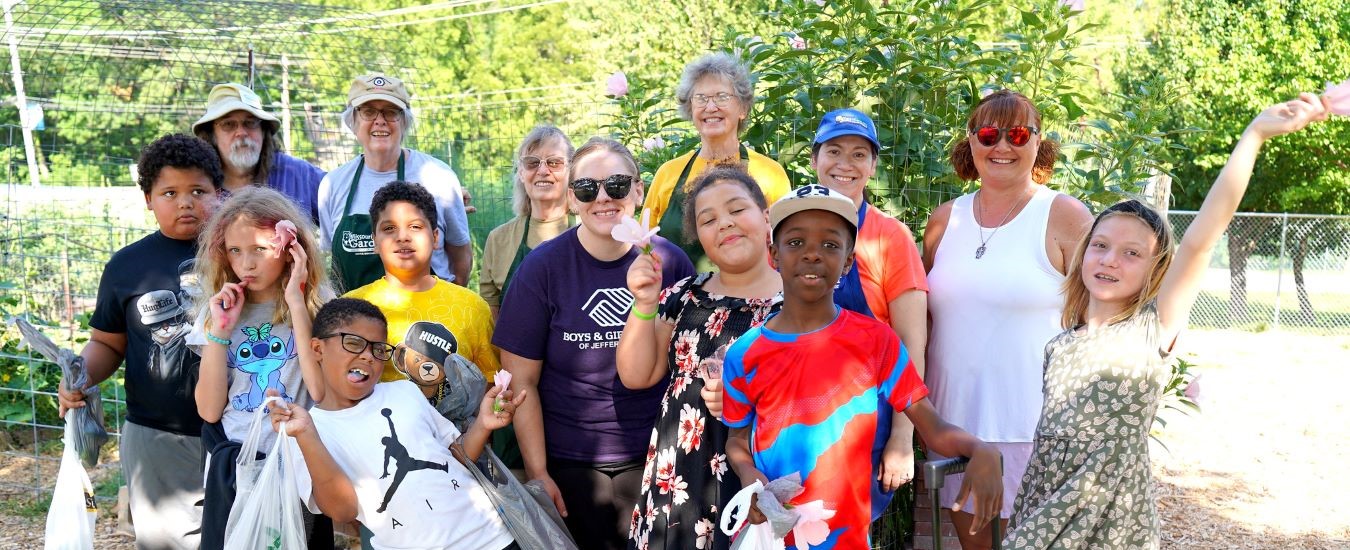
x=686, y=480
x=1127, y=297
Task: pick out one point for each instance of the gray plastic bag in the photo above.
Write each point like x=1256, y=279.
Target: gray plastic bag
x=88, y=433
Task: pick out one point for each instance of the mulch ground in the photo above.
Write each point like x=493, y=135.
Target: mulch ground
x=1263, y=467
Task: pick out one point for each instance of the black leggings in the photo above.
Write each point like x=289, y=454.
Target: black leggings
x=600, y=500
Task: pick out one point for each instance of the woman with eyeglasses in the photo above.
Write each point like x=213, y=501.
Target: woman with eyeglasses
x=716, y=95
x=996, y=261
x=378, y=113
x=539, y=199
x=582, y=433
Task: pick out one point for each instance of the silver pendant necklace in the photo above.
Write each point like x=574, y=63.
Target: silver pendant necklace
x=984, y=241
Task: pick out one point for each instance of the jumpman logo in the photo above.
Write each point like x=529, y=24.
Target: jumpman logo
x=403, y=463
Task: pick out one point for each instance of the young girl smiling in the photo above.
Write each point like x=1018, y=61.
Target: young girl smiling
x=1127, y=297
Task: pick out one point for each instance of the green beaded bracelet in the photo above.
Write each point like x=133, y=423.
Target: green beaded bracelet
x=640, y=315
x=217, y=339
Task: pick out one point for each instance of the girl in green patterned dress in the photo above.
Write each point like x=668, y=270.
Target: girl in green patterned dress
x=1127, y=297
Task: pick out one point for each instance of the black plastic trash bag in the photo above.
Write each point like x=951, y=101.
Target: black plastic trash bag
x=89, y=433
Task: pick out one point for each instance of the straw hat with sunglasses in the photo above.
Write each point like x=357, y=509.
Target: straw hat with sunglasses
x=996, y=260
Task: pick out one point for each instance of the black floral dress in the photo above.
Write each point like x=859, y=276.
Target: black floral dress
x=687, y=479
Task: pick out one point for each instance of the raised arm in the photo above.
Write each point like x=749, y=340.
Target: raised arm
x=641, y=356
x=302, y=325
x=212, y=391
x=1181, y=284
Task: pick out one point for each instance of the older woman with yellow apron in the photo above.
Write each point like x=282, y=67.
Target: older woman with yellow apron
x=714, y=94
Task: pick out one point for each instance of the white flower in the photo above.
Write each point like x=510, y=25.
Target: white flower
x=704, y=530
x=653, y=143
x=811, y=528
x=634, y=232
x=797, y=42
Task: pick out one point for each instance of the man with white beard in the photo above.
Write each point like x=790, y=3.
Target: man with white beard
x=245, y=136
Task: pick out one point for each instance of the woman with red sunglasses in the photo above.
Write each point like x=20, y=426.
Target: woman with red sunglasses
x=582, y=433
x=996, y=260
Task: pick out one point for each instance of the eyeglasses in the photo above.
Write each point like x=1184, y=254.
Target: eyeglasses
x=553, y=163
x=357, y=345
x=1018, y=136
x=232, y=124
x=721, y=99
x=616, y=186
x=389, y=115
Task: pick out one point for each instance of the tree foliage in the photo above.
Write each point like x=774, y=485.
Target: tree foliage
x=1231, y=60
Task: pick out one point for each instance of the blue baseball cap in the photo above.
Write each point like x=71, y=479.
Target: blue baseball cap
x=847, y=122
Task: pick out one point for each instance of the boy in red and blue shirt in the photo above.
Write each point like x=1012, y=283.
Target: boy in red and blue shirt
x=801, y=391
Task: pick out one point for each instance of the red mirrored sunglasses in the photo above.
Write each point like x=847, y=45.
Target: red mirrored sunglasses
x=1018, y=136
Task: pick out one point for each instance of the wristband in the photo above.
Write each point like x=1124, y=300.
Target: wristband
x=640, y=315
x=217, y=339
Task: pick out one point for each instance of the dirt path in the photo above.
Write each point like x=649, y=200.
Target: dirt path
x=1264, y=467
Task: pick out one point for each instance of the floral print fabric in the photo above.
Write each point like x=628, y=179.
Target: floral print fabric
x=1088, y=484
x=686, y=479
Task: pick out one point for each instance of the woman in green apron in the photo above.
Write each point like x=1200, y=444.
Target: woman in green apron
x=716, y=95
x=539, y=199
x=378, y=114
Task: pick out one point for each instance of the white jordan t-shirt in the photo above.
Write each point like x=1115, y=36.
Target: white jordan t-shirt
x=433, y=502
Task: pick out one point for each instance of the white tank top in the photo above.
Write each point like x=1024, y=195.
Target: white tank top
x=992, y=317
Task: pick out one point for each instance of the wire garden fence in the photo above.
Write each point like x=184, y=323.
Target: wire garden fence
x=1277, y=271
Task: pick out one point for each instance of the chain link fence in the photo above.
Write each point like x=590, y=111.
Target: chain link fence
x=1276, y=272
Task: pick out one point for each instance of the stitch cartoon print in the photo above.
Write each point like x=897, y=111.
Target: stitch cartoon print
x=261, y=357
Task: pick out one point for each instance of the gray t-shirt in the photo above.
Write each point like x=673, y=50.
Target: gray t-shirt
x=430, y=172
x=262, y=356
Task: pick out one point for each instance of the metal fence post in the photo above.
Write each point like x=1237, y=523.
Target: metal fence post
x=1279, y=268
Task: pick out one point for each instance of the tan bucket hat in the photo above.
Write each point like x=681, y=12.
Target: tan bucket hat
x=373, y=86
x=230, y=97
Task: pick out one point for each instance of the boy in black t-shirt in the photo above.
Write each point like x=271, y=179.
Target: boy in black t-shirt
x=141, y=316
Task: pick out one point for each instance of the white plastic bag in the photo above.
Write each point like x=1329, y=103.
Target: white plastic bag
x=267, y=509
x=70, y=519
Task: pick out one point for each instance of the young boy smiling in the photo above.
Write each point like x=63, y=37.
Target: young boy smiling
x=801, y=391
x=141, y=316
x=380, y=454
x=403, y=216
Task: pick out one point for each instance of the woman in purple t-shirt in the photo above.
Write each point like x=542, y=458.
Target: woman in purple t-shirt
x=582, y=433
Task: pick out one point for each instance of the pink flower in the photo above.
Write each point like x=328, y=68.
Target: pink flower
x=811, y=528
x=1339, y=94
x=503, y=382
x=285, y=233
x=1073, y=5
x=797, y=42
x=617, y=85
x=636, y=233
x=1192, y=390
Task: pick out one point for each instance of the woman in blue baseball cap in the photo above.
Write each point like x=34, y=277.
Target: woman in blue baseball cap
x=887, y=281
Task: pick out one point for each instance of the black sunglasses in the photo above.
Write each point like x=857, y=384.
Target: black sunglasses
x=357, y=345
x=616, y=186
x=1018, y=136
